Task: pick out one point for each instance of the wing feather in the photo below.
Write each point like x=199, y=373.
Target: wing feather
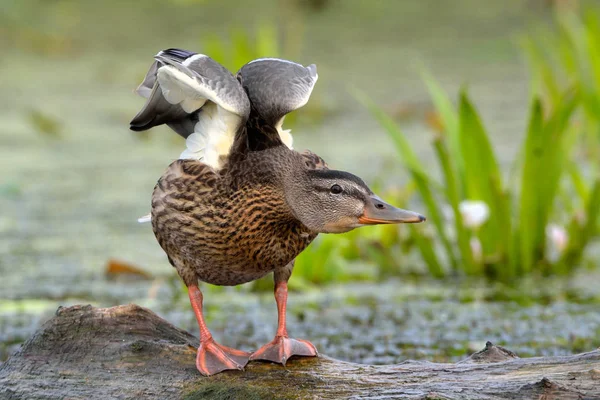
x=277, y=87
x=198, y=98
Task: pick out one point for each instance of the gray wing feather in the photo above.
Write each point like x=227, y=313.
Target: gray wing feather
x=146, y=86
x=158, y=111
x=176, y=102
x=276, y=87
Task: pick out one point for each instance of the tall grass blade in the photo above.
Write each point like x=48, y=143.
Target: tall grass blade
x=482, y=177
x=578, y=182
x=547, y=148
x=449, y=116
x=453, y=197
x=530, y=233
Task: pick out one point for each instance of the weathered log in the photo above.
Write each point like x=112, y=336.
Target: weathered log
x=128, y=352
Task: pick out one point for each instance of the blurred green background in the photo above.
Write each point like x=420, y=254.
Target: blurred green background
x=484, y=117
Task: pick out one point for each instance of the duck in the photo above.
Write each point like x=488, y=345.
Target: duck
x=240, y=203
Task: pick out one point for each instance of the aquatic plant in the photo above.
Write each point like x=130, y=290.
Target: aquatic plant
x=499, y=226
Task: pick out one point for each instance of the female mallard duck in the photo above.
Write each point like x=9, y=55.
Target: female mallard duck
x=240, y=203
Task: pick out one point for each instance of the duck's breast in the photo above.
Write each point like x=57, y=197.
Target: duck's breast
x=221, y=235
x=250, y=233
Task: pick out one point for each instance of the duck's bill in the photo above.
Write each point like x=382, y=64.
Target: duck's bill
x=379, y=212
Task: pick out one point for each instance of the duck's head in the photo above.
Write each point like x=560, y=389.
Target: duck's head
x=330, y=201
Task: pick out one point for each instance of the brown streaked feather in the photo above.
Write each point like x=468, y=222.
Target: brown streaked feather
x=229, y=227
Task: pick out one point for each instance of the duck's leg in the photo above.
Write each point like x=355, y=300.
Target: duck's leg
x=282, y=347
x=212, y=357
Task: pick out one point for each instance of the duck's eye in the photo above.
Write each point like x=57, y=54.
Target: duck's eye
x=336, y=189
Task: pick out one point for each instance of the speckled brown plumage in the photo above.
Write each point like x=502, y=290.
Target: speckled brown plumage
x=232, y=226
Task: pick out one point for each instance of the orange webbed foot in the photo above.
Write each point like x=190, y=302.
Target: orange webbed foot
x=213, y=358
x=282, y=348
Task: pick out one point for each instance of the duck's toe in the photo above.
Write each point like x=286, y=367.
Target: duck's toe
x=282, y=348
x=213, y=358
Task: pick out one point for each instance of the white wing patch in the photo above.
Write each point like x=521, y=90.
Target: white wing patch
x=213, y=136
x=216, y=127
x=178, y=88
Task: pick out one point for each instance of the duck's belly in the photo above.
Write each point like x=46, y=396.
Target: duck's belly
x=230, y=275
x=246, y=256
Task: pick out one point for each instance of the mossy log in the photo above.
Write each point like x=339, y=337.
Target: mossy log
x=128, y=352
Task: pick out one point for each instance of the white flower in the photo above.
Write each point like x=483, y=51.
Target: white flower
x=557, y=241
x=558, y=236
x=474, y=213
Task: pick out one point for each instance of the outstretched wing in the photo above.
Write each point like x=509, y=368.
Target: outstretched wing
x=198, y=98
x=277, y=87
